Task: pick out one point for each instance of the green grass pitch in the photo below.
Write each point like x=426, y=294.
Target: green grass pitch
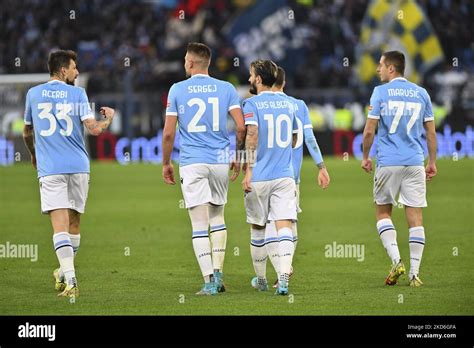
x=131, y=211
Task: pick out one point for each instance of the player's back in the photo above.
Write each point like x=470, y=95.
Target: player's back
x=202, y=104
x=403, y=107
x=56, y=111
x=274, y=116
x=302, y=120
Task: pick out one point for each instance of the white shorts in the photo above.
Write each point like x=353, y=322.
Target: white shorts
x=408, y=181
x=298, y=208
x=64, y=191
x=271, y=200
x=204, y=183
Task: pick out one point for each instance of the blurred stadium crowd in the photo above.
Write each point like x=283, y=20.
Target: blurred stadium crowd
x=153, y=35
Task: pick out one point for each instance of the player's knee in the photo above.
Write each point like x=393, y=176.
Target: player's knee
x=216, y=215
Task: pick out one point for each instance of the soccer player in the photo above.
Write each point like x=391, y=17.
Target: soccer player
x=269, y=185
x=305, y=132
x=200, y=106
x=401, y=109
x=55, y=114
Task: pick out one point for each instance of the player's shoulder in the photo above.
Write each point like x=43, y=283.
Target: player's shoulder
x=250, y=100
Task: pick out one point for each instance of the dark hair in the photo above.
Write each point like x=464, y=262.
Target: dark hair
x=280, y=79
x=60, y=59
x=397, y=59
x=266, y=69
x=200, y=50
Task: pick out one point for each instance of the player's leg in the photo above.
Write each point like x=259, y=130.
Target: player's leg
x=199, y=216
x=218, y=238
x=258, y=252
x=272, y=246
x=413, y=196
x=197, y=195
x=64, y=252
x=74, y=230
x=286, y=250
x=74, y=235
x=256, y=207
x=387, y=181
x=283, y=210
x=55, y=202
x=219, y=184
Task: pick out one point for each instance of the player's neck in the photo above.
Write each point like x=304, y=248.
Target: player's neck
x=263, y=88
x=396, y=77
x=200, y=72
x=57, y=78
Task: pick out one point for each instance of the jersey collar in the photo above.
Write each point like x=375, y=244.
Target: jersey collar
x=280, y=93
x=269, y=92
x=199, y=75
x=52, y=81
x=399, y=78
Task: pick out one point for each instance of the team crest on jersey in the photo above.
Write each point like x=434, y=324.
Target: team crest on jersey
x=168, y=104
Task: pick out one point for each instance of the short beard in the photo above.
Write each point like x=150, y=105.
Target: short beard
x=253, y=89
x=71, y=83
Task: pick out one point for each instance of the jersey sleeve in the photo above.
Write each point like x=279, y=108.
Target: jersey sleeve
x=306, y=121
x=234, y=102
x=250, y=114
x=374, y=107
x=428, y=116
x=85, y=111
x=28, y=119
x=171, y=104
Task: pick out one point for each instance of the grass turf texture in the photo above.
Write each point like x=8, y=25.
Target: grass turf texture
x=131, y=211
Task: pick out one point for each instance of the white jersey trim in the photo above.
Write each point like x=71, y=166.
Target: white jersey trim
x=86, y=117
x=170, y=113
x=255, y=123
x=232, y=107
x=374, y=117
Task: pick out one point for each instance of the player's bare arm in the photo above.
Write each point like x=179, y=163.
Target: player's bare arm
x=169, y=132
x=431, y=169
x=251, y=142
x=98, y=127
x=28, y=138
x=368, y=140
x=240, y=129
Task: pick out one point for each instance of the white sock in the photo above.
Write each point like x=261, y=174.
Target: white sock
x=287, y=249
x=63, y=247
x=417, y=244
x=202, y=246
x=294, y=228
x=271, y=244
x=388, y=235
x=258, y=252
x=218, y=234
x=75, y=242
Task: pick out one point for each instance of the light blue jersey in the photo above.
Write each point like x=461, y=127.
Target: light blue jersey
x=401, y=108
x=56, y=111
x=274, y=115
x=202, y=104
x=302, y=119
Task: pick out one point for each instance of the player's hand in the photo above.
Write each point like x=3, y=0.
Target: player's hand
x=430, y=171
x=323, y=178
x=247, y=182
x=168, y=174
x=33, y=161
x=107, y=112
x=235, y=166
x=244, y=167
x=367, y=165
